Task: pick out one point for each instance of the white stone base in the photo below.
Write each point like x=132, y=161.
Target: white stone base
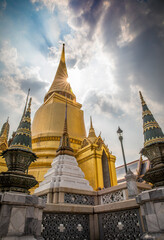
x=64, y=172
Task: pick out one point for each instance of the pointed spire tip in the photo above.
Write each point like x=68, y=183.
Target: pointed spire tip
x=142, y=99
x=91, y=125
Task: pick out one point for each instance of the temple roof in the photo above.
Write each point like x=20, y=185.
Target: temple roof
x=22, y=138
x=64, y=147
x=152, y=131
x=60, y=84
x=91, y=136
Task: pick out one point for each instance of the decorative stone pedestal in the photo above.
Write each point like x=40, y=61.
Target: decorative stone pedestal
x=152, y=211
x=20, y=216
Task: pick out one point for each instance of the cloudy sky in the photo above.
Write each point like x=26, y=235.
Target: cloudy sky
x=114, y=48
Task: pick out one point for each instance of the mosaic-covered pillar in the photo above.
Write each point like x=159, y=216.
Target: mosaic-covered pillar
x=152, y=201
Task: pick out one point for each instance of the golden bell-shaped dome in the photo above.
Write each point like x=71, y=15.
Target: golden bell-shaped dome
x=47, y=126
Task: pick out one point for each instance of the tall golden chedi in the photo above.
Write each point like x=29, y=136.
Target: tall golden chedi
x=93, y=156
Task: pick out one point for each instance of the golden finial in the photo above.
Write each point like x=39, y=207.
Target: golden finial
x=142, y=99
x=60, y=83
x=91, y=125
x=91, y=130
x=63, y=54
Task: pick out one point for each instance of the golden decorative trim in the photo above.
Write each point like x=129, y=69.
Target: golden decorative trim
x=20, y=146
x=148, y=125
x=153, y=140
x=23, y=131
x=146, y=112
x=54, y=138
x=26, y=119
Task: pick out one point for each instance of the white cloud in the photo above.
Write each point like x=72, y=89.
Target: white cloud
x=12, y=79
x=126, y=36
x=50, y=4
x=8, y=55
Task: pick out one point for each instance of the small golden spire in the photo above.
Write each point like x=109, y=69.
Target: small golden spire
x=64, y=147
x=142, y=99
x=91, y=125
x=5, y=130
x=92, y=135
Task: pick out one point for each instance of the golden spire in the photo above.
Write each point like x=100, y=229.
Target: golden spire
x=64, y=147
x=60, y=84
x=91, y=125
x=4, y=131
x=92, y=135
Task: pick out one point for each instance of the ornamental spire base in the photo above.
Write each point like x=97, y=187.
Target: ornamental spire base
x=18, y=158
x=155, y=154
x=153, y=146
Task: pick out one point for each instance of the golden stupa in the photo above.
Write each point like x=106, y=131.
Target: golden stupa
x=93, y=156
x=4, y=144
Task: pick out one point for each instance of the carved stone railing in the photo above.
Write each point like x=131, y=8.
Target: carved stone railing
x=118, y=193
x=73, y=198
x=112, y=197
x=44, y=197
x=124, y=224
x=113, y=194
x=65, y=226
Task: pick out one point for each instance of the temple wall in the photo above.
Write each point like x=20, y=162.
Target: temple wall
x=90, y=161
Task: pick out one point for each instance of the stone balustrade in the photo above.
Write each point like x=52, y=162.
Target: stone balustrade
x=88, y=214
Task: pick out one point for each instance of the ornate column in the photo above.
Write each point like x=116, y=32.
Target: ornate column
x=152, y=201
x=20, y=213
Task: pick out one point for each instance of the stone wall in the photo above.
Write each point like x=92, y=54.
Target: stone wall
x=20, y=216
x=106, y=214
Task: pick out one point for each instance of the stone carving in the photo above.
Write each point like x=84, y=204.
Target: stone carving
x=117, y=196
x=120, y=225
x=44, y=197
x=78, y=199
x=61, y=226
